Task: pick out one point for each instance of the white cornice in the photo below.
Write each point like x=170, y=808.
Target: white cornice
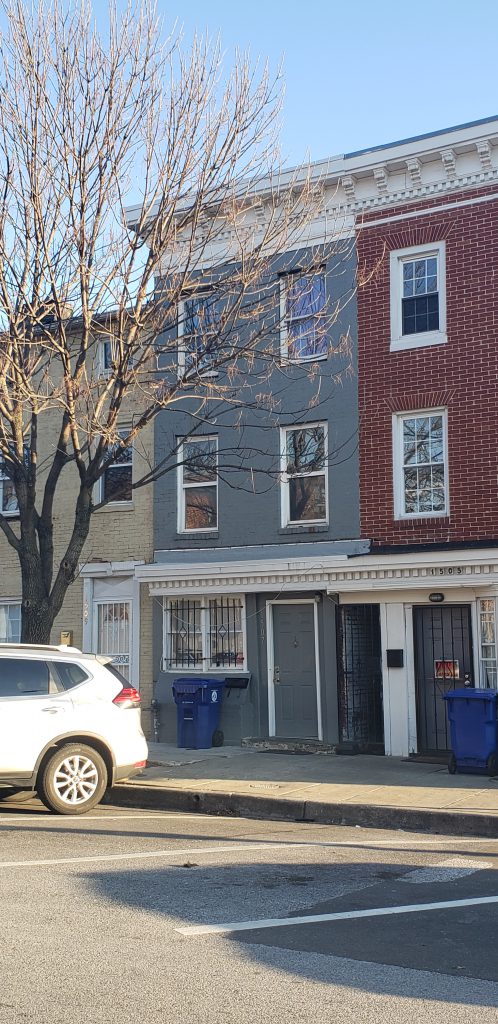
x=340, y=574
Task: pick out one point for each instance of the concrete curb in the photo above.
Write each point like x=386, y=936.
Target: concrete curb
x=241, y=805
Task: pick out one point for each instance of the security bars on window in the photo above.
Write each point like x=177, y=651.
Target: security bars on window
x=204, y=633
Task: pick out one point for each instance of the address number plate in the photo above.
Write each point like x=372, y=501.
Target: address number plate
x=447, y=570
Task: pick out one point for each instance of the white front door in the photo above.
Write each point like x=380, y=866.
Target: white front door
x=113, y=632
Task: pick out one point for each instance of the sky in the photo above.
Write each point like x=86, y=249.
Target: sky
x=359, y=73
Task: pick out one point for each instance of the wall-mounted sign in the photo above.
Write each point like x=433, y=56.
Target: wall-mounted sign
x=447, y=669
x=436, y=598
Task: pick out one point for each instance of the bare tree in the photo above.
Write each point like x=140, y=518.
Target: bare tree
x=135, y=178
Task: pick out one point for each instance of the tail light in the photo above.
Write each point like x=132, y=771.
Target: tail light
x=128, y=697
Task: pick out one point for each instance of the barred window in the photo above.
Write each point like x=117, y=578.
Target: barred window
x=204, y=633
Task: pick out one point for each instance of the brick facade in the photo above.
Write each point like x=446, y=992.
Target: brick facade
x=461, y=375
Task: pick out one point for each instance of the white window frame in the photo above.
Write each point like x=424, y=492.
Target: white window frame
x=181, y=334
x=182, y=487
x=4, y=477
x=206, y=666
x=117, y=503
x=398, y=464
x=484, y=662
x=13, y=603
x=400, y=341
x=285, y=477
x=106, y=372
x=285, y=282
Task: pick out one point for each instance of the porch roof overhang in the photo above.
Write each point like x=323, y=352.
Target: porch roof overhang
x=252, y=576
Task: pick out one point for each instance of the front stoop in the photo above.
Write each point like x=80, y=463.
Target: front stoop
x=274, y=745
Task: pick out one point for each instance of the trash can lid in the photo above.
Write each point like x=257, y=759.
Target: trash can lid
x=471, y=693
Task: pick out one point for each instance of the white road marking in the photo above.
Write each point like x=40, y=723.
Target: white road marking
x=348, y=915
x=446, y=871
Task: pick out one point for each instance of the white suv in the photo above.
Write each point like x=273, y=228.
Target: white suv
x=69, y=725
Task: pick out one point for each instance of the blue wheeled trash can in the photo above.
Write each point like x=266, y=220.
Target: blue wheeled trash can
x=198, y=709
x=473, y=718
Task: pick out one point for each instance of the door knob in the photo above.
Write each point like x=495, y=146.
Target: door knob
x=276, y=675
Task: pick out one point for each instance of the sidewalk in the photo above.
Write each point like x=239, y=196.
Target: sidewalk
x=354, y=790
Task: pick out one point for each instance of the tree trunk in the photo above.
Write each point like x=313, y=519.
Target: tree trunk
x=37, y=617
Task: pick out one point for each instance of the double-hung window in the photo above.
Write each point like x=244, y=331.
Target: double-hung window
x=418, y=296
x=199, y=325
x=116, y=484
x=420, y=464
x=204, y=633
x=304, y=474
x=109, y=356
x=198, y=485
x=8, y=497
x=303, y=334
x=10, y=622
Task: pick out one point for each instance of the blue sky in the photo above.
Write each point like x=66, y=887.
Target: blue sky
x=361, y=73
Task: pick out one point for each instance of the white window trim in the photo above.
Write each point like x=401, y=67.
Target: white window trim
x=286, y=477
x=206, y=374
x=205, y=668
x=127, y=502
x=106, y=372
x=398, y=475
x=285, y=280
x=181, y=488
x=399, y=341
x=13, y=513
x=9, y=601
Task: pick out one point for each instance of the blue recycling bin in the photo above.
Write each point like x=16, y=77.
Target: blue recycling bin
x=473, y=718
x=198, y=709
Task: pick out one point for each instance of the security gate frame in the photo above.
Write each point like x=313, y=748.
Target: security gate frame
x=441, y=634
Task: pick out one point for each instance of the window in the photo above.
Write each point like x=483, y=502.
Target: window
x=418, y=296
x=10, y=623
x=487, y=630
x=23, y=677
x=204, y=633
x=199, y=326
x=117, y=478
x=420, y=462
x=69, y=674
x=302, y=306
x=304, y=476
x=108, y=355
x=8, y=499
x=198, y=485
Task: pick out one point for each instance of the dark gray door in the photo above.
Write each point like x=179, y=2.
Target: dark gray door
x=443, y=655
x=359, y=671
x=294, y=674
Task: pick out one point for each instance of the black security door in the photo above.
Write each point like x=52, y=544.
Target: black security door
x=443, y=656
x=359, y=669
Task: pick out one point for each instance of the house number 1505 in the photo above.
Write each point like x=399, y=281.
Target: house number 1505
x=447, y=570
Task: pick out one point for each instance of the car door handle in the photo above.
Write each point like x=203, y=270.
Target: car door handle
x=52, y=711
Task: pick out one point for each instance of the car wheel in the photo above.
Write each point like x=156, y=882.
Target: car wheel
x=73, y=780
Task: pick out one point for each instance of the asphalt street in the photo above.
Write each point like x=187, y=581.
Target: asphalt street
x=134, y=916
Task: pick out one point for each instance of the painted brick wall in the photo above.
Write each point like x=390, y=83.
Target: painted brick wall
x=461, y=375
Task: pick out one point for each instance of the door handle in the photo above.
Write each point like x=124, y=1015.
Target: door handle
x=276, y=675
x=52, y=711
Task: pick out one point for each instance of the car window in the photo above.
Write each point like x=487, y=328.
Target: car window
x=23, y=676
x=70, y=674
x=115, y=672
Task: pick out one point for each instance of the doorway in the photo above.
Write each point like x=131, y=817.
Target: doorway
x=443, y=656
x=293, y=684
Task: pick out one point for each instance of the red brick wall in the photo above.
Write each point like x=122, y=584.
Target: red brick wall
x=461, y=375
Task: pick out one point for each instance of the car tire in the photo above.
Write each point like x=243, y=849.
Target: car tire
x=73, y=780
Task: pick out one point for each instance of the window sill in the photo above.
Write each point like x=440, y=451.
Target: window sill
x=306, y=527
x=200, y=535
x=423, y=340
x=117, y=506
x=304, y=361
x=422, y=518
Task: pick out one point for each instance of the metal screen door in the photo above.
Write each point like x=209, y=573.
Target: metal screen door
x=443, y=655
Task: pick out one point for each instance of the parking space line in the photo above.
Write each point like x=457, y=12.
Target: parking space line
x=348, y=915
